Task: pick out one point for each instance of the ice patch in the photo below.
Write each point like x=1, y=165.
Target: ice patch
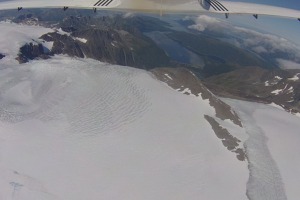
x=276, y=92
x=47, y=46
x=114, y=43
x=168, y=76
x=83, y=40
x=61, y=32
x=291, y=89
x=295, y=78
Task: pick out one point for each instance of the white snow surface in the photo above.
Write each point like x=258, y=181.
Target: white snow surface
x=168, y=76
x=267, y=83
x=295, y=78
x=273, y=150
x=83, y=40
x=74, y=129
x=48, y=46
x=276, y=92
x=62, y=32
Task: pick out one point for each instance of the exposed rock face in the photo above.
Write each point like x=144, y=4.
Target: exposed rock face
x=63, y=44
x=281, y=87
x=108, y=45
x=229, y=141
x=183, y=78
x=28, y=19
x=185, y=81
x=31, y=51
x=1, y=56
x=108, y=39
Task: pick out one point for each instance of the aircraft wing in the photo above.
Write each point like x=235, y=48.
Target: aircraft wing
x=228, y=7
x=156, y=6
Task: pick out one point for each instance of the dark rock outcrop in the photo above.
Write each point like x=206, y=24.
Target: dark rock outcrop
x=109, y=45
x=1, y=56
x=182, y=79
x=63, y=44
x=31, y=51
x=229, y=141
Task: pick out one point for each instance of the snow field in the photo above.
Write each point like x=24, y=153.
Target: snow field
x=81, y=129
x=272, y=148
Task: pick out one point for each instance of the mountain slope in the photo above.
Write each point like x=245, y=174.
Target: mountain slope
x=256, y=84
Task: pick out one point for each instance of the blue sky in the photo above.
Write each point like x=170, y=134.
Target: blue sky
x=283, y=3
x=287, y=28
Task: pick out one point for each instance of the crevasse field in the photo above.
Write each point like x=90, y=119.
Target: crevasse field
x=74, y=129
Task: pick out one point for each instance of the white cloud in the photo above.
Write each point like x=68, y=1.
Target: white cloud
x=203, y=22
x=260, y=43
x=260, y=49
x=287, y=64
x=13, y=36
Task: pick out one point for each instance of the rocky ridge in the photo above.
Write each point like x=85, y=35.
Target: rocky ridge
x=281, y=87
x=104, y=41
x=118, y=40
x=186, y=82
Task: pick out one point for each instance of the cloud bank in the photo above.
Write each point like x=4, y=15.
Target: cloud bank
x=280, y=50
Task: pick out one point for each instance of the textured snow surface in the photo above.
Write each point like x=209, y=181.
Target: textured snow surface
x=273, y=150
x=77, y=129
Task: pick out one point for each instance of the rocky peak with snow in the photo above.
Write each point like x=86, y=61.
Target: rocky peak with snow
x=107, y=41
x=32, y=51
x=280, y=87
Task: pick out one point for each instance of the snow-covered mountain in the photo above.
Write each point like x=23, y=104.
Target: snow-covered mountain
x=276, y=87
x=75, y=128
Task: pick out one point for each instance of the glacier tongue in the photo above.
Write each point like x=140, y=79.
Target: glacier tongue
x=265, y=181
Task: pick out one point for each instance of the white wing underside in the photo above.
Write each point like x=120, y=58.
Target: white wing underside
x=157, y=6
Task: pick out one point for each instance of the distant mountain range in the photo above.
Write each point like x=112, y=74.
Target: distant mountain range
x=281, y=87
